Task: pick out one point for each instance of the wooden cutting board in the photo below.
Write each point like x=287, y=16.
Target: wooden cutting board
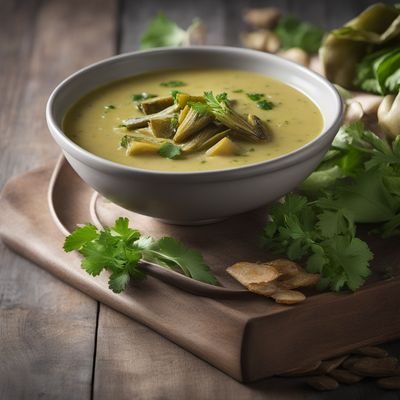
x=246, y=337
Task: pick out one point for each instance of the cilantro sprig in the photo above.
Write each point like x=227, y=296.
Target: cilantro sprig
x=361, y=173
x=357, y=182
x=120, y=248
x=323, y=237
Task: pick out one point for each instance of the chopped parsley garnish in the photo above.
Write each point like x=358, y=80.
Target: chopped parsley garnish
x=200, y=108
x=261, y=102
x=173, y=84
x=255, y=96
x=265, y=104
x=169, y=150
x=143, y=96
x=174, y=93
x=119, y=250
x=124, y=141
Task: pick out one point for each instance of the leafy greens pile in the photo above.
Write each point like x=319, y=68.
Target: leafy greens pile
x=357, y=182
x=364, y=53
x=119, y=250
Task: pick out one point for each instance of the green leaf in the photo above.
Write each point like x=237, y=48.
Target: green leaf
x=293, y=32
x=366, y=198
x=265, y=105
x=170, y=150
x=353, y=256
x=200, y=108
x=173, y=84
x=189, y=261
x=125, y=140
x=118, y=281
x=120, y=248
x=379, y=72
x=321, y=179
x=162, y=32
x=121, y=228
x=142, y=96
x=79, y=237
x=335, y=222
x=255, y=96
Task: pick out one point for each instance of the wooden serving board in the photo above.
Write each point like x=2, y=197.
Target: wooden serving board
x=248, y=338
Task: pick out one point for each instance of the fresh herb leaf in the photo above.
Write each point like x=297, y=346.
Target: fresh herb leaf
x=125, y=141
x=173, y=84
x=162, y=32
x=143, y=96
x=173, y=253
x=174, y=93
x=200, y=108
x=324, y=238
x=255, y=96
x=265, y=105
x=293, y=32
x=169, y=150
x=119, y=249
x=80, y=237
x=379, y=72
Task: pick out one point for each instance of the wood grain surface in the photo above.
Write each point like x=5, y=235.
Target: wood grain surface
x=53, y=345
x=47, y=329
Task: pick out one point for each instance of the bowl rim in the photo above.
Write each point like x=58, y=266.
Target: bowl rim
x=283, y=161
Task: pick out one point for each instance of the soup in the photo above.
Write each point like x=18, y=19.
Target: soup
x=193, y=120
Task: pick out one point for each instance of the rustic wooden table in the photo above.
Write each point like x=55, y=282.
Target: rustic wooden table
x=55, y=342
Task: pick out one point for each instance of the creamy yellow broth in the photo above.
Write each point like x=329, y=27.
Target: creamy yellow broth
x=294, y=121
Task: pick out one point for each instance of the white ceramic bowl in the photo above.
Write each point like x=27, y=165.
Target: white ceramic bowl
x=195, y=197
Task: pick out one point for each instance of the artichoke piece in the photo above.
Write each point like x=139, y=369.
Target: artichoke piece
x=345, y=47
x=192, y=123
x=137, y=136
x=142, y=148
x=156, y=104
x=197, y=142
x=221, y=108
x=183, y=114
x=225, y=147
x=216, y=138
x=260, y=126
x=164, y=127
x=183, y=98
x=140, y=122
x=145, y=131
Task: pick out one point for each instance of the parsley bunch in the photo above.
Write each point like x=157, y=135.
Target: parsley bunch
x=119, y=250
x=357, y=182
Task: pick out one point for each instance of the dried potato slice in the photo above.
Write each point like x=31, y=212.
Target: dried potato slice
x=252, y=273
x=302, y=279
x=286, y=267
x=283, y=296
